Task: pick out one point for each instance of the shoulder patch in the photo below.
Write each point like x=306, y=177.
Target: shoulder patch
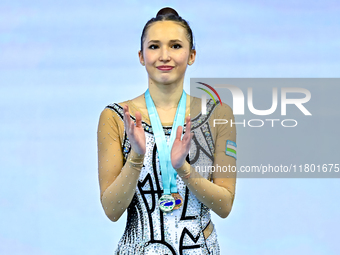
x=230, y=149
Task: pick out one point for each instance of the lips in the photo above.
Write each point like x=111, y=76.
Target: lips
x=165, y=68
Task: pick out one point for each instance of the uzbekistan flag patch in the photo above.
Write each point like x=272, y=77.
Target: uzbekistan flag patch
x=230, y=149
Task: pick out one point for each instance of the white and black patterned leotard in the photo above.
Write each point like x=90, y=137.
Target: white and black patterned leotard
x=148, y=230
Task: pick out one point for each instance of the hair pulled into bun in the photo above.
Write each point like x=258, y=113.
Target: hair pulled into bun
x=168, y=13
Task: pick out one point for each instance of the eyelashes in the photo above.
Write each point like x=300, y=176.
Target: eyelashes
x=178, y=46
x=154, y=46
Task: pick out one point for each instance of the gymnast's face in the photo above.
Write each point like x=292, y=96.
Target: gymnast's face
x=166, y=45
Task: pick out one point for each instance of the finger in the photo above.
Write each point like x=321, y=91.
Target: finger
x=138, y=119
x=126, y=116
x=188, y=123
x=179, y=133
x=127, y=121
x=187, y=129
x=132, y=126
x=124, y=120
x=126, y=109
x=127, y=124
x=188, y=142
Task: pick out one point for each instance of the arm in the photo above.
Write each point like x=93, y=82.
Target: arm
x=215, y=195
x=117, y=181
x=219, y=194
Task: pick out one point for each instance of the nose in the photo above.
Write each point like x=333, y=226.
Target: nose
x=164, y=54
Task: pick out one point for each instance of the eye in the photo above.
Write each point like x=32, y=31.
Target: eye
x=177, y=46
x=153, y=46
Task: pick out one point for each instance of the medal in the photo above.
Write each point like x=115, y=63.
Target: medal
x=178, y=200
x=170, y=199
x=166, y=203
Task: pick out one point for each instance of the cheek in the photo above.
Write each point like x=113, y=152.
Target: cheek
x=149, y=57
x=183, y=57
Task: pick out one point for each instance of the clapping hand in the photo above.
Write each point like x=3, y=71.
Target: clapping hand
x=134, y=132
x=181, y=147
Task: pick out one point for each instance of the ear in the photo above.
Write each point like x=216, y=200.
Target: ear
x=192, y=57
x=141, y=58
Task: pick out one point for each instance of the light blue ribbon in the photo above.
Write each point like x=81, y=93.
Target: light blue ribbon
x=169, y=174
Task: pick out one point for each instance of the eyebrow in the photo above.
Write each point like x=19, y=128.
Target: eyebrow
x=157, y=41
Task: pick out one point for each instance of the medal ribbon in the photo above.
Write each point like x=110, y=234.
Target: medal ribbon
x=169, y=174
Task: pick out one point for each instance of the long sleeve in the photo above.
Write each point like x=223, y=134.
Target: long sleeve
x=117, y=180
x=219, y=194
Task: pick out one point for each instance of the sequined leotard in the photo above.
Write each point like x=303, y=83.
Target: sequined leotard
x=148, y=229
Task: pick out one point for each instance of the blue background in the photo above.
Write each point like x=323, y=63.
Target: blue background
x=62, y=62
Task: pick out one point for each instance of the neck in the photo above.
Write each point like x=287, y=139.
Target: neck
x=165, y=96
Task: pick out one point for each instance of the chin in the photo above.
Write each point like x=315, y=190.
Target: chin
x=166, y=80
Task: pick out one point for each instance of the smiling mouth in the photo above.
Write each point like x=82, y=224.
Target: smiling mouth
x=165, y=68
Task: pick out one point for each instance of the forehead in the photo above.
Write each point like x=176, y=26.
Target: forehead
x=166, y=30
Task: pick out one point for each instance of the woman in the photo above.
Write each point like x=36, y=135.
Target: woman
x=151, y=173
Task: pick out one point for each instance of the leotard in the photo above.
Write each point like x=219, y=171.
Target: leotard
x=123, y=186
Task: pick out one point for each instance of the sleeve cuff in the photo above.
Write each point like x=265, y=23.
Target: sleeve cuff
x=185, y=170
